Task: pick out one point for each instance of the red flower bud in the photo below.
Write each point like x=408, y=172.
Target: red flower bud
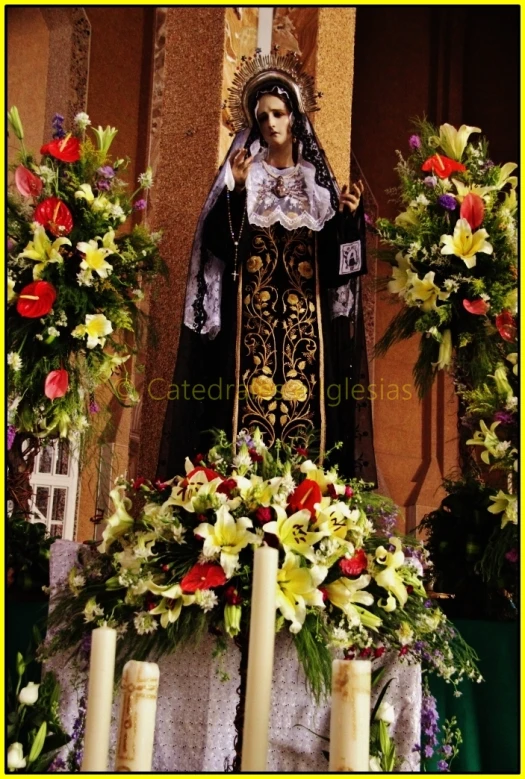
x=366, y=652
x=255, y=456
x=379, y=651
x=138, y=482
x=36, y=299
x=330, y=488
x=410, y=589
x=473, y=210
x=324, y=593
x=165, y=567
x=403, y=651
x=56, y=384
x=264, y=514
x=227, y=486
x=27, y=183
x=301, y=451
x=348, y=492
x=232, y=596
x=199, y=458
x=355, y=565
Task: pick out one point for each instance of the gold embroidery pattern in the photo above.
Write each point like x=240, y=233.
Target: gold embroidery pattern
x=280, y=335
x=131, y=694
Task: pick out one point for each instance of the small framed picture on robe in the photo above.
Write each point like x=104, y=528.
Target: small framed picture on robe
x=350, y=260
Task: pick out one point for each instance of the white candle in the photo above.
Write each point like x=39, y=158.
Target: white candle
x=260, y=660
x=100, y=699
x=350, y=716
x=140, y=684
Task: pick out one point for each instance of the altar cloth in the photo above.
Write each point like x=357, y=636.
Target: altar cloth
x=196, y=707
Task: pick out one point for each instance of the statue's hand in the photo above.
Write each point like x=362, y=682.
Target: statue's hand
x=240, y=165
x=351, y=199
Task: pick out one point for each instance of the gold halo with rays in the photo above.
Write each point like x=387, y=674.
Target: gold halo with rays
x=254, y=71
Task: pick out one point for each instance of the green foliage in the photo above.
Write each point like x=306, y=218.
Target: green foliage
x=314, y=656
x=28, y=548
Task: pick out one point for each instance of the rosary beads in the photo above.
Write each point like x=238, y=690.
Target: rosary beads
x=235, y=240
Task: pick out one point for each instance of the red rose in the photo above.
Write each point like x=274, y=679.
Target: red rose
x=27, y=183
x=366, y=652
x=227, y=486
x=203, y=576
x=56, y=384
x=36, y=299
x=139, y=481
x=403, y=650
x=379, y=651
x=473, y=210
x=256, y=457
x=264, y=514
x=305, y=496
x=478, y=306
x=55, y=216
x=232, y=596
x=64, y=149
x=506, y=325
x=355, y=565
x=442, y=166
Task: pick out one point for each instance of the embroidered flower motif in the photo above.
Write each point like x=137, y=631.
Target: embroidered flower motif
x=294, y=390
x=254, y=264
x=305, y=270
x=263, y=387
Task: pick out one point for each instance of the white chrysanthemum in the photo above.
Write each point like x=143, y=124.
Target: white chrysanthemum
x=53, y=332
x=144, y=623
x=14, y=361
x=242, y=460
x=82, y=120
x=146, y=179
x=206, y=599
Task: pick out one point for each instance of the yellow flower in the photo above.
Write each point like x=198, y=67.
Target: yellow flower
x=463, y=190
x=504, y=176
x=508, y=504
x=42, y=250
x=11, y=294
x=387, y=577
x=399, y=281
x=97, y=327
x=108, y=241
x=120, y=521
x=486, y=437
x=293, y=299
x=171, y=604
x=194, y=489
x=345, y=593
x=465, y=244
x=407, y=219
x=424, y=290
x=226, y=538
x=452, y=141
x=445, y=352
x=513, y=359
x=95, y=258
x=296, y=589
x=263, y=296
x=292, y=532
x=263, y=386
x=294, y=390
x=85, y=193
x=254, y=263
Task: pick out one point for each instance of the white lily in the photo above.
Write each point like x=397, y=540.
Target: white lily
x=507, y=505
x=293, y=532
x=227, y=537
x=452, y=141
x=97, y=327
x=120, y=521
x=398, y=283
x=297, y=589
x=387, y=576
x=465, y=244
x=345, y=593
x=95, y=258
x=504, y=176
x=42, y=250
x=171, y=604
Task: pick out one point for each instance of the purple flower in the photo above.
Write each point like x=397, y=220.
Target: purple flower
x=416, y=748
x=428, y=751
x=414, y=142
x=428, y=604
x=140, y=205
x=488, y=164
x=442, y=765
x=10, y=244
x=94, y=408
x=446, y=749
x=106, y=172
x=512, y=555
x=505, y=417
x=11, y=433
x=430, y=181
x=58, y=126
x=104, y=185
x=448, y=202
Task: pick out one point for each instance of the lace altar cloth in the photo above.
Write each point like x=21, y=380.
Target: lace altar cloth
x=196, y=710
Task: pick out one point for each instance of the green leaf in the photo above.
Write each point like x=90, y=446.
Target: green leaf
x=378, y=675
x=384, y=738
x=20, y=664
x=38, y=743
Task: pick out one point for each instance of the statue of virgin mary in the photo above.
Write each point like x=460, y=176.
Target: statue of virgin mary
x=273, y=326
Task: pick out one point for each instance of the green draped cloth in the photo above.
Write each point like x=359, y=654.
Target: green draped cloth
x=487, y=713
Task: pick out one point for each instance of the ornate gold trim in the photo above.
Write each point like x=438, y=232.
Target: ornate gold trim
x=237, y=356
x=322, y=410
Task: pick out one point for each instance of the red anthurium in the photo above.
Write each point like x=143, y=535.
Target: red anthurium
x=36, y=299
x=55, y=216
x=203, y=576
x=210, y=475
x=442, y=166
x=355, y=565
x=56, y=384
x=305, y=496
x=64, y=149
x=27, y=183
x=506, y=325
x=477, y=306
x=473, y=210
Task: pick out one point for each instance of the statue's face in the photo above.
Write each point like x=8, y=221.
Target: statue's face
x=274, y=119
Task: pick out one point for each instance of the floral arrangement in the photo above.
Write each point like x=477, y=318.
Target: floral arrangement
x=176, y=560
x=454, y=257
x=74, y=277
x=34, y=731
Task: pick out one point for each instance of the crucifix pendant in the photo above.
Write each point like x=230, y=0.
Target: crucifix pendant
x=234, y=275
